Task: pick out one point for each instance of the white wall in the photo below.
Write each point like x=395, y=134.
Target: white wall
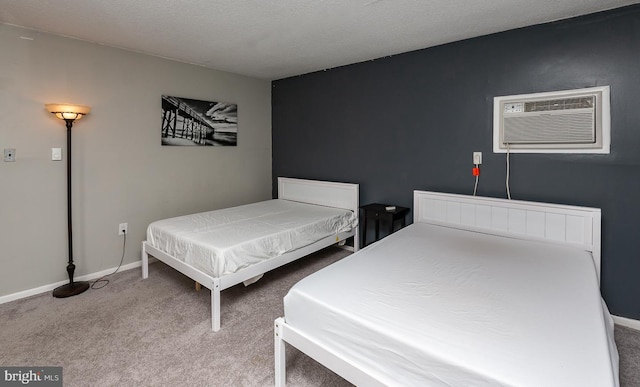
x=120, y=172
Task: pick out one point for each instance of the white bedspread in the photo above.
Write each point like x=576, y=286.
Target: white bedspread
x=224, y=241
x=433, y=306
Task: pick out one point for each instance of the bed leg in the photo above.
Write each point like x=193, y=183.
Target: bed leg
x=356, y=240
x=145, y=262
x=215, y=305
x=279, y=348
x=198, y=286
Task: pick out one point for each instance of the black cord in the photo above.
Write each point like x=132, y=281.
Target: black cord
x=102, y=279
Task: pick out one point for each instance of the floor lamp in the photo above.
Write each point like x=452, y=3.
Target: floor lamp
x=69, y=113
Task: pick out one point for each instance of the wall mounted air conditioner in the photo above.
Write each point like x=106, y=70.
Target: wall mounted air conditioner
x=570, y=121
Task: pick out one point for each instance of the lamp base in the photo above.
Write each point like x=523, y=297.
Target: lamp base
x=70, y=289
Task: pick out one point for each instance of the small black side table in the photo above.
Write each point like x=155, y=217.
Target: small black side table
x=377, y=212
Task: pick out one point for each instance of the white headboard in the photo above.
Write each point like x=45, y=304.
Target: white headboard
x=324, y=193
x=576, y=226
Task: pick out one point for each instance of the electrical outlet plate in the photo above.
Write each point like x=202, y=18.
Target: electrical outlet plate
x=477, y=158
x=122, y=228
x=9, y=154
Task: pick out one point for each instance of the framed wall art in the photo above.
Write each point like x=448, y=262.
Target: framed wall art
x=194, y=122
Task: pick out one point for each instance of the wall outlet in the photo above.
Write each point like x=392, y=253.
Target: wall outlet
x=9, y=154
x=477, y=158
x=122, y=228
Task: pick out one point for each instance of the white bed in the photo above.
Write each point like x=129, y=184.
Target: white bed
x=477, y=292
x=222, y=248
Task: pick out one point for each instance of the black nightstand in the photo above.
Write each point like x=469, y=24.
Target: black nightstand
x=377, y=212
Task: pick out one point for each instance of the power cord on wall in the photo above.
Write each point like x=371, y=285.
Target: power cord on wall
x=508, y=172
x=106, y=281
x=476, y=172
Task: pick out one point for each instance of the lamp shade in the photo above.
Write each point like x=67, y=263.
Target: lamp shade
x=66, y=111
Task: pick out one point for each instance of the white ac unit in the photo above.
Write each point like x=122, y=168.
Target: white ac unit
x=569, y=121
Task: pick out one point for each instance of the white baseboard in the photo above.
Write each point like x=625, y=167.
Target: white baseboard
x=50, y=287
x=627, y=322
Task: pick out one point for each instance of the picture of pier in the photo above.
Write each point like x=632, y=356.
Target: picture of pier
x=194, y=122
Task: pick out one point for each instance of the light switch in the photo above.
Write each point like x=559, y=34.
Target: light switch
x=56, y=154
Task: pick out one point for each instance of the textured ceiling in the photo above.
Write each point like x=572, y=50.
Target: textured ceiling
x=274, y=39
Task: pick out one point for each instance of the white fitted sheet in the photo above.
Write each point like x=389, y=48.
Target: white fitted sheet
x=436, y=306
x=224, y=241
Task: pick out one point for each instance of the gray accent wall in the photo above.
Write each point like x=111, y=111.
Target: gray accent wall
x=412, y=121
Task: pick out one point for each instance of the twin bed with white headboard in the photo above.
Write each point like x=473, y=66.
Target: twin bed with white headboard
x=225, y=247
x=477, y=291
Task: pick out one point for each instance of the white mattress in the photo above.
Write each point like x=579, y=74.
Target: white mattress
x=434, y=306
x=224, y=241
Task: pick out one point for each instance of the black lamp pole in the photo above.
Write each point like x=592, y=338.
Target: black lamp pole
x=72, y=288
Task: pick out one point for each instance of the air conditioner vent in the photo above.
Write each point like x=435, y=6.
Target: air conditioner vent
x=572, y=121
x=559, y=104
x=576, y=128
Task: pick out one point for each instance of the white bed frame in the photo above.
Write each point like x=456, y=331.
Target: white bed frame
x=340, y=195
x=569, y=225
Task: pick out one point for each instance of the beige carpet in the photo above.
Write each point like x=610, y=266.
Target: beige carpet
x=156, y=332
